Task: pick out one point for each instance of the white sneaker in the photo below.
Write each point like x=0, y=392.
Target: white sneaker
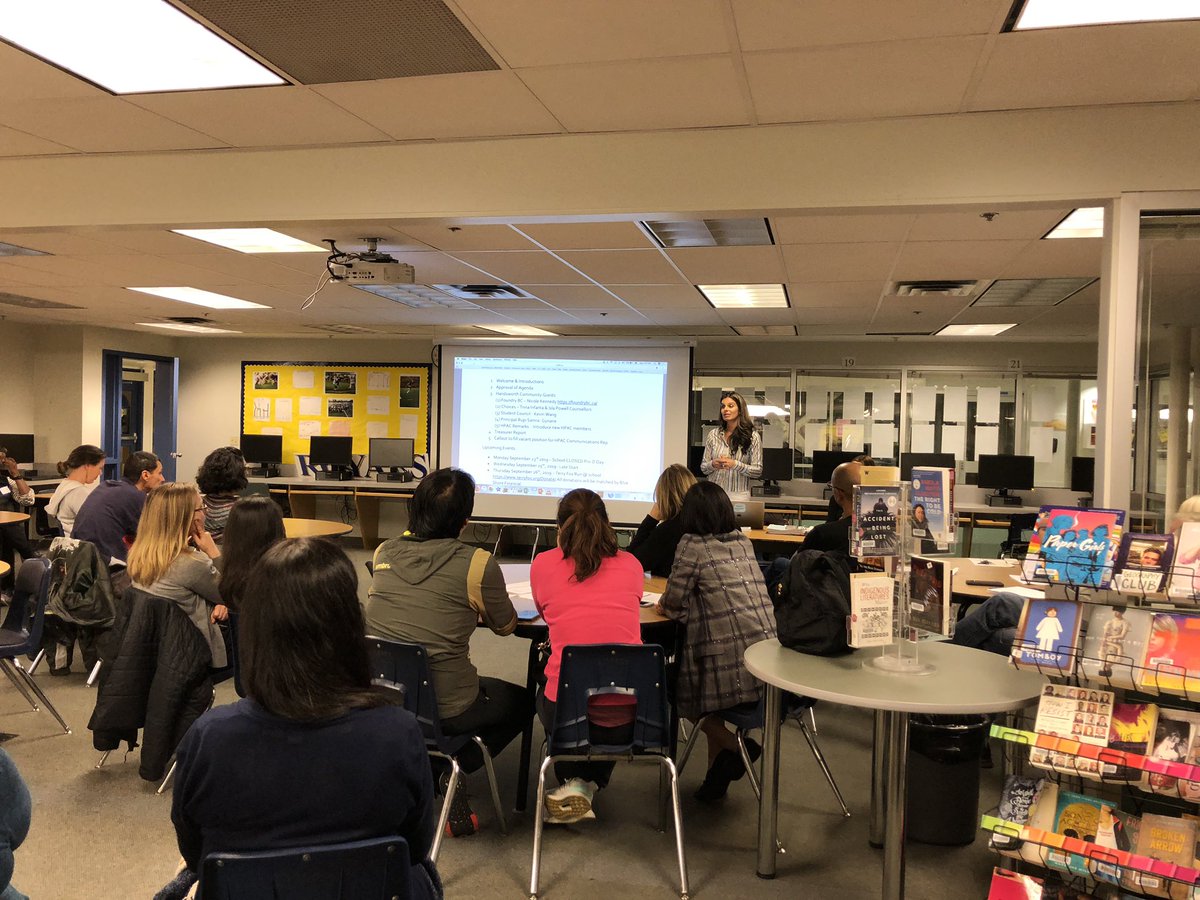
x=549, y=819
x=570, y=802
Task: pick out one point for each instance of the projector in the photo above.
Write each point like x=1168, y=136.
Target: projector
x=359, y=271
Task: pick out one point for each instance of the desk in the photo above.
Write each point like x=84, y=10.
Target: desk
x=295, y=528
x=4, y=567
x=984, y=570
x=302, y=493
x=13, y=518
x=963, y=681
x=762, y=536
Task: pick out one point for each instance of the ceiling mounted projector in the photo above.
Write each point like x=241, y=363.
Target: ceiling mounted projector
x=370, y=266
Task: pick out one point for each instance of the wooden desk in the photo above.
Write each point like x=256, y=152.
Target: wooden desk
x=13, y=518
x=295, y=528
x=302, y=493
x=4, y=567
x=982, y=570
x=762, y=536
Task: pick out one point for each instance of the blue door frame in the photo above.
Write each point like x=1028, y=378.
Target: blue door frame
x=165, y=413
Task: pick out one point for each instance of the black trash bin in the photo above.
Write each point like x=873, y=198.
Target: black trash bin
x=943, y=778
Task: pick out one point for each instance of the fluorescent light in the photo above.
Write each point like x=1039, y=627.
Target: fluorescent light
x=745, y=296
x=251, y=240
x=974, y=330
x=131, y=46
x=1085, y=222
x=1068, y=13
x=416, y=296
x=199, y=297
x=519, y=330
x=195, y=329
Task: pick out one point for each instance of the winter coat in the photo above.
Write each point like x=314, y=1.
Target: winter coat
x=80, y=590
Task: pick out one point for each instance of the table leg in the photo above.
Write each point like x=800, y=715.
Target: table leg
x=368, y=520
x=896, y=791
x=878, y=780
x=768, y=807
x=527, y=734
x=304, y=506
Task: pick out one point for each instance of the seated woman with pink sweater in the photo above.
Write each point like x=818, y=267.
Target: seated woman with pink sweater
x=589, y=592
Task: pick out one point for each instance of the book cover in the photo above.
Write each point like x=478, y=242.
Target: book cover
x=872, y=605
x=1132, y=731
x=1115, y=645
x=1171, y=661
x=1016, y=802
x=1014, y=886
x=873, y=521
x=1171, y=840
x=1172, y=740
x=1074, y=546
x=932, y=509
x=929, y=591
x=1078, y=817
x=1143, y=562
x=1185, y=568
x=1047, y=636
x=1077, y=714
x=1188, y=789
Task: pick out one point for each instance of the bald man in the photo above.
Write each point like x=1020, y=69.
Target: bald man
x=836, y=535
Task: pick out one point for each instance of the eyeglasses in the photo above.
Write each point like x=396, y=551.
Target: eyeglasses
x=198, y=509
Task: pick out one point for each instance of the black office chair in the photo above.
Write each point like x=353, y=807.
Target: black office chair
x=376, y=869
x=21, y=634
x=637, y=670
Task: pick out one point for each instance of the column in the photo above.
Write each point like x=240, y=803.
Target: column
x=1177, y=423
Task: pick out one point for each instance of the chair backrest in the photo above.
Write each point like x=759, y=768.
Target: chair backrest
x=407, y=667
x=235, y=654
x=638, y=670
x=376, y=869
x=27, y=612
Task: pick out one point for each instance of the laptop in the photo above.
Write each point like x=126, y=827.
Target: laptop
x=749, y=513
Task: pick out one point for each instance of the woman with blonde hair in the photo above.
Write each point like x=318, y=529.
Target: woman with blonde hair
x=658, y=535
x=172, y=557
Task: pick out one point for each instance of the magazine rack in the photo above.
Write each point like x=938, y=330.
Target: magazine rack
x=1160, y=680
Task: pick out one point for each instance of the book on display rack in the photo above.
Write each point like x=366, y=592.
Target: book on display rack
x=1047, y=636
x=1115, y=644
x=1185, y=568
x=1074, y=546
x=872, y=601
x=932, y=504
x=1143, y=563
x=873, y=521
x=930, y=586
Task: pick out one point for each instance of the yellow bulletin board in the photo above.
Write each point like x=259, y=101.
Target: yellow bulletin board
x=359, y=400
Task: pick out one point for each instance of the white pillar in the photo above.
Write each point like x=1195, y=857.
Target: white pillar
x=1177, y=423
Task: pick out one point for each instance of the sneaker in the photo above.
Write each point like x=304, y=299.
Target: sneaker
x=571, y=801
x=548, y=819
x=462, y=820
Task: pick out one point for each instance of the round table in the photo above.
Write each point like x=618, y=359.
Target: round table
x=963, y=680
x=12, y=518
x=4, y=567
x=295, y=528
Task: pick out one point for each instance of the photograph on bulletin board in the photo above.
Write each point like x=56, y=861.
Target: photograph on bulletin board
x=358, y=400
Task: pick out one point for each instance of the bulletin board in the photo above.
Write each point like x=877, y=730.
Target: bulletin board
x=359, y=400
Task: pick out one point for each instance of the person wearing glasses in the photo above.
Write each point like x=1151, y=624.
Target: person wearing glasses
x=172, y=557
x=835, y=535
x=733, y=451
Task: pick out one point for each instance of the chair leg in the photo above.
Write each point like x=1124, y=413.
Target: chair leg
x=10, y=669
x=539, y=821
x=820, y=757
x=91, y=679
x=684, y=891
x=444, y=816
x=41, y=654
x=167, y=778
x=689, y=746
x=33, y=686
x=812, y=719
x=104, y=758
x=491, y=775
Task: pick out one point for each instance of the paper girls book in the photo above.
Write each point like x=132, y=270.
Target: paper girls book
x=873, y=521
x=1143, y=562
x=1047, y=636
x=1074, y=546
x=1115, y=645
x=1185, y=568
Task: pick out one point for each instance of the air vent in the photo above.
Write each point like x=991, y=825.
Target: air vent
x=483, y=291
x=189, y=320
x=33, y=302
x=711, y=233
x=14, y=250
x=343, y=329
x=934, y=288
x=1031, y=291
x=765, y=330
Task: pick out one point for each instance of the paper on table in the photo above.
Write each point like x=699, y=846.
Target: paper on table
x=954, y=404
x=379, y=381
x=987, y=404
x=922, y=438
x=1041, y=443
x=650, y=599
x=283, y=409
x=520, y=590
x=308, y=429
x=854, y=402
x=1030, y=593
x=310, y=406
x=377, y=405
x=408, y=427
x=987, y=439
x=377, y=429
x=883, y=439
x=852, y=438
x=302, y=379
x=954, y=440
x=924, y=407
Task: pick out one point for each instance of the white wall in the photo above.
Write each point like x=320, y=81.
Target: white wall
x=17, y=412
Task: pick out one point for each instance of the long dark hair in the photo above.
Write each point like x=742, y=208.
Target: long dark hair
x=254, y=526
x=584, y=534
x=302, y=643
x=707, y=510
x=222, y=472
x=743, y=434
x=83, y=455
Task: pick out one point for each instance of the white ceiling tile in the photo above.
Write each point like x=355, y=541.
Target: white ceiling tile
x=898, y=78
x=839, y=262
x=661, y=296
x=624, y=266
x=59, y=243
x=472, y=104
x=18, y=143
x=100, y=125
x=730, y=265
x=991, y=315
x=214, y=267
x=835, y=229
x=588, y=235
x=972, y=226
x=1055, y=258
x=700, y=315
x=548, y=32
x=518, y=267
x=820, y=315
x=925, y=315
x=737, y=317
x=611, y=317
x=656, y=94
x=151, y=240
x=839, y=294
x=468, y=237
x=26, y=77
x=955, y=259
x=577, y=296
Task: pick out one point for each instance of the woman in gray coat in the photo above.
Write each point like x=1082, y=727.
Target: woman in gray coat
x=716, y=590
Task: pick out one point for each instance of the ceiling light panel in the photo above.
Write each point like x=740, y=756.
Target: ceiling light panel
x=1031, y=291
x=416, y=296
x=251, y=240
x=974, y=330
x=130, y=47
x=1085, y=222
x=519, y=330
x=711, y=233
x=199, y=297
x=191, y=329
x=1071, y=13
x=745, y=296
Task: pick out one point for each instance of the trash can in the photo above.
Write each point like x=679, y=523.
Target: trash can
x=943, y=778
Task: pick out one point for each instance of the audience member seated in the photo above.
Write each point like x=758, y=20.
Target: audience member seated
x=835, y=535
x=835, y=508
x=221, y=479
x=992, y=624
x=16, y=807
x=109, y=516
x=80, y=471
x=253, y=528
x=15, y=495
x=589, y=592
x=430, y=588
x=314, y=754
x=717, y=591
x=658, y=535
x=172, y=558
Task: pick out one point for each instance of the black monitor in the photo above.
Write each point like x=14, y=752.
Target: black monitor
x=1083, y=474
x=924, y=460
x=825, y=461
x=330, y=451
x=1003, y=472
x=695, y=457
x=18, y=446
x=262, y=449
x=776, y=467
x=391, y=453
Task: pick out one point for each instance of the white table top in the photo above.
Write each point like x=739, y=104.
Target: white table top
x=964, y=681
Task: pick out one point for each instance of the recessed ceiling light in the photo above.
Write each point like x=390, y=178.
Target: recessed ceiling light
x=1085, y=222
x=1068, y=13
x=974, y=330
x=745, y=296
x=519, y=330
x=199, y=297
x=194, y=329
x=131, y=47
x=417, y=296
x=251, y=240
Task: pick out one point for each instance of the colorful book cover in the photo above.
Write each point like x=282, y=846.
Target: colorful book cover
x=1074, y=546
x=1078, y=817
x=1171, y=840
x=1014, y=886
x=1118, y=832
x=1185, y=568
x=1171, y=663
x=1143, y=563
x=1132, y=731
x=1047, y=636
x=1190, y=790
x=1172, y=740
x=872, y=605
x=929, y=589
x=1017, y=799
x=932, y=509
x=873, y=521
x=1115, y=644
x=1077, y=714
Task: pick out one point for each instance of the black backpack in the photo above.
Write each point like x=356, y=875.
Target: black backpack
x=812, y=602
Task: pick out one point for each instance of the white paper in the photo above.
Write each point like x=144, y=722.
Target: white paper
x=377, y=429
x=774, y=433
x=1020, y=592
x=1041, y=443
x=987, y=440
x=262, y=409
x=310, y=406
x=378, y=405
x=272, y=430
x=1043, y=406
x=302, y=379
x=954, y=440
x=883, y=439
x=922, y=438
x=883, y=405
x=924, y=406
x=852, y=438
x=379, y=381
x=283, y=409
x=408, y=427
x=954, y=404
x=987, y=404
x=814, y=437
x=339, y=427
x=308, y=429
x=854, y=402
x=710, y=403
x=776, y=396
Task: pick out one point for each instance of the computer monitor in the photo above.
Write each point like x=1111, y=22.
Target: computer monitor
x=695, y=457
x=392, y=457
x=776, y=467
x=1083, y=474
x=924, y=460
x=330, y=451
x=19, y=447
x=1004, y=472
x=262, y=449
x=825, y=461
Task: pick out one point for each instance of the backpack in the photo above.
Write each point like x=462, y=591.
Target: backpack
x=812, y=602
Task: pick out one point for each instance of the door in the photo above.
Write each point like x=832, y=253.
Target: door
x=141, y=400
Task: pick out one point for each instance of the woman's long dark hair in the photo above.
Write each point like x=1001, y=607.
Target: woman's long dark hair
x=303, y=652
x=253, y=528
x=743, y=434
x=707, y=510
x=584, y=534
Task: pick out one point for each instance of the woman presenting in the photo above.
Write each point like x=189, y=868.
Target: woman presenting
x=733, y=452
